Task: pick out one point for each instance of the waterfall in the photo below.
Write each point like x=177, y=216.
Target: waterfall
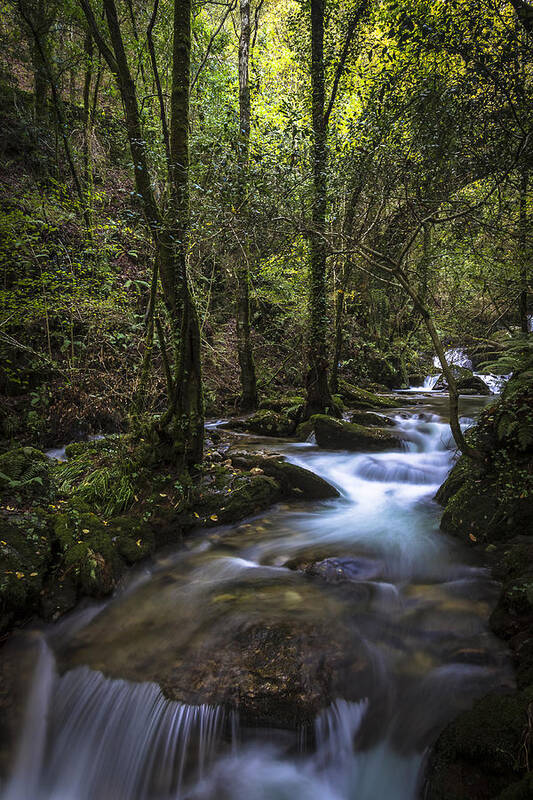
x=109, y=739
x=458, y=357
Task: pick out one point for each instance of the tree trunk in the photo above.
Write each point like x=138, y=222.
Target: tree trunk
x=523, y=254
x=318, y=398
x=188, y=417
x=40, y=78
x=181, y=428
x=248, y=401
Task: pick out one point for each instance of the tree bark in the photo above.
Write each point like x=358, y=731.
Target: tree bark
x=524, y=255
x=318, y=397
x=248, y=400
x=181, y=428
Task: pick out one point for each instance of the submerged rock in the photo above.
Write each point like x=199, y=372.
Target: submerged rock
x=277, y=650
x=340, y=435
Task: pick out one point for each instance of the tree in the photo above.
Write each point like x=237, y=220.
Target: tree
x=180, y=429
x=318, y=397
x=248, y=400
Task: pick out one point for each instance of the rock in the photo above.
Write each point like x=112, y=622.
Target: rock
x=359, y=398
x=276, y=650
x=346, y=570
x=270, y=423
x=472, y=384
x=339, y=435
x=25, y=555
x=477, y=755
x=483, y=754
x=25, y=476
x=284, y=403
x=370, y=419
x=232, y=498
x=292, y=478
x=304, y=430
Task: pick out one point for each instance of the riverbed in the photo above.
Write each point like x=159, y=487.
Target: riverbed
x=369, y=594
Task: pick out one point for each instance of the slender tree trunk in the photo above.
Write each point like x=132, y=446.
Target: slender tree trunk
x=40, y=78
x=181, y=428
x=318, y=397
x=188, y=420
x=524, y=255
x=248, y=400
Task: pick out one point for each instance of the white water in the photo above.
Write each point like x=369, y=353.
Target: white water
x=415, y=603
x=458, y=357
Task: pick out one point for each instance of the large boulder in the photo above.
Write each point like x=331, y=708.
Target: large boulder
x=270, y=423
x=276, y=649
x=294, y=480
x=370, y=419
x=360, y=398
x=473, y=384
x=337, y=434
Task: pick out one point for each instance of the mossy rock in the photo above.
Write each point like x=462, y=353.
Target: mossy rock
x=270, y=423
x=370, y=419
x=282, y=403
x=520, y=790
x=473, y=384
x=304, y=430
x=465, y=469
x=133, y=540
x=25, y=555
x=89, y=554
x=359, y=398
x=25, y=476
x=337, y=434
x=294, y=480
x=478, y=755
x=244, y=496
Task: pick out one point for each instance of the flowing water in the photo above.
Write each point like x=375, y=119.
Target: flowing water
x=459, y=358
x=395, y=611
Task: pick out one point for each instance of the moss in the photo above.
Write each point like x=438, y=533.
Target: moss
x=271, y=423
x=520, y=790
x=340, y=435
x=25, y=555
x=359, y=398
x=133, y=539
x=282, y=403
x=291, y=478
x=243, y=496
x=25, y=475
x=304, y=430
x=480, y=753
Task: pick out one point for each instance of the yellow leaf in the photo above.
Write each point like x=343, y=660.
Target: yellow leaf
x=214, y=517
x=19, y=575
x=2, y=542
x=85, y=530
x=197, y=515
x=162, y=494
x=33, y=574
x=138, y=542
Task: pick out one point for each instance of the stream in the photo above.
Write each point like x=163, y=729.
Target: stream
x=366, y=577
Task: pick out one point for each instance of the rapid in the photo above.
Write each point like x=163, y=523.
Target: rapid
x=412, y=606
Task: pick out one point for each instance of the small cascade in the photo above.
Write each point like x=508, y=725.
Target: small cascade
x=458, y=357
x=429, y=382
x=109, y=739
